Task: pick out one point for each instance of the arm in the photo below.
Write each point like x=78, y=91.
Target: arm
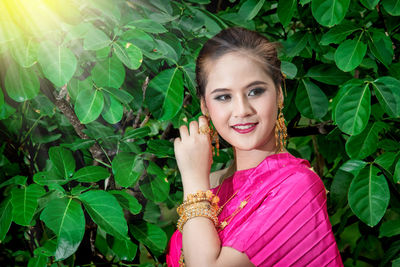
x=201, y=244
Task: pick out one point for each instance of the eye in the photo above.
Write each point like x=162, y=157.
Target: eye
x=256, y=91
x=222, y=98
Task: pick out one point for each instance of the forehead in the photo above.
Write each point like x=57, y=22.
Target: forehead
x=234, y=71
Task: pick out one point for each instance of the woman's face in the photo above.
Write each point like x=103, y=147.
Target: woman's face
x=241, y=100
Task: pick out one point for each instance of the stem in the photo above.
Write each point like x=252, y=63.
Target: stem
x=102, y=162
x=30, y=129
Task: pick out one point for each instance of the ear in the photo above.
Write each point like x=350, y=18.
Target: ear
x=203, y=106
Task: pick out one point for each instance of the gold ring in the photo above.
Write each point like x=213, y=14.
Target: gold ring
x=204, y=129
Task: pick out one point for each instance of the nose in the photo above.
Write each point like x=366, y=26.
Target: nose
x=243, y=107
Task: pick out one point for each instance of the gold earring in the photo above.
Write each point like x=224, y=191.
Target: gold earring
x=280, y=129
x=214, y=136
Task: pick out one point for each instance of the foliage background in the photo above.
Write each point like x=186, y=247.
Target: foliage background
x=92, y=93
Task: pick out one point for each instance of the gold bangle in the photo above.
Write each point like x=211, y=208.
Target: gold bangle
x=197, y=211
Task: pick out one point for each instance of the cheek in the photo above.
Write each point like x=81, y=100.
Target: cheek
x=219, y=116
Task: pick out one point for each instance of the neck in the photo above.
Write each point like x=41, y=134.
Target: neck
x=246, y=159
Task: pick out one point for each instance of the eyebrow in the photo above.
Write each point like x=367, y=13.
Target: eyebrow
x=218, y=90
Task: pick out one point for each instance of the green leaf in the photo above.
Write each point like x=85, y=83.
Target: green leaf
x=310, y=100
x=148, y=25
x=21, y=84
x=386, y=160
x=105, y=211
x=25, y=52
x=329, y=12
x=95, y=39
x=152, y=212
x=353, y=166
x=65, y=218
x=77, y=190
x=127, y=169
x=16, y=180
x=63, y=160
x=124, y=249
x=387, y=91
x=370, y=4
x=25, y=201
x=155, y=186
x=340, y=187
x=48, y=249
x=390, y=228
x=350, y=54
x=58, y=63
x=381, y=46
x=113, y=110
x=88, y=105
x=353, y=109
x=39, y=261
x=75, y=86
x=338, y=33
x=141, y=39
x=364, y=144
x=164, y=96
x=91, y=174
x=391, y=253
x=127, y=201
x=110, y=9
x=150, y=235
x=392, y=7
x=286, y=9
x=250, y=9
x=394, y=70
x=5, y=217
x=109, y=73
x=396, y=175
x=342, y=179
x=369, y=195
x=289, y=69
x=47, y=178
x=295, y=44
x=136, y=133
x=129, y=54
x=328, y=74
x=6, y=111
x=160, y=148
x=119, y=94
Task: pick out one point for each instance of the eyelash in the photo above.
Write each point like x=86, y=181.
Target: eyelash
x=256, y=91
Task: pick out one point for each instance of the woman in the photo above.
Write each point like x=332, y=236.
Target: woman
x=272, y=210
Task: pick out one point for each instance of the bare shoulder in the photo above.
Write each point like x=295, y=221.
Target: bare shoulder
x=232, y=257
x=217, y=177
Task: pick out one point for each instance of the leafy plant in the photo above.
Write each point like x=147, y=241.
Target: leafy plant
x=92, y=94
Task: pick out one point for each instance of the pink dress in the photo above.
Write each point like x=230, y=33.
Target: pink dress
x=285, y=222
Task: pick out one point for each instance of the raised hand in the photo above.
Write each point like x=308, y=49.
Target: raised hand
x=194, y=156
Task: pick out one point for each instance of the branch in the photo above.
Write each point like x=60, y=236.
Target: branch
x=320, y=128
x=65, y=107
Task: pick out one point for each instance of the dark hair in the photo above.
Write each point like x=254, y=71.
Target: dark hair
x=238, y=39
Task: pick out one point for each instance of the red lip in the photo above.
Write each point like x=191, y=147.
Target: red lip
x=244, y=131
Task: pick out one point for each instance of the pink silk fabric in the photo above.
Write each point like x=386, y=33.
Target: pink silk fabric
x=285, y=222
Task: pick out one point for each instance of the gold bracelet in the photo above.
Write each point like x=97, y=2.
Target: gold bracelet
x=182, y=207
x=199, y=197
x=197, y=211
x=203, y=194
x=202, y=204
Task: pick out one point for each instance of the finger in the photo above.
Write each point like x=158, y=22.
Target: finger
x=193, y=127
x=203, y=122
x=204, y=129
x=183, y=131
